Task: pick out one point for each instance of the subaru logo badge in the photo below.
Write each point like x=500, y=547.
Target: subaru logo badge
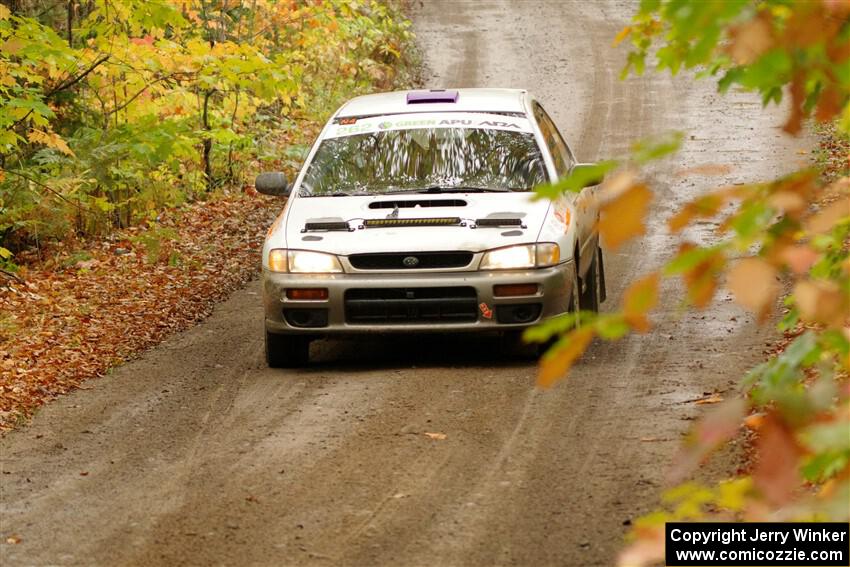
x=410, y=261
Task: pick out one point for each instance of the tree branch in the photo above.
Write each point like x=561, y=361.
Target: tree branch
x=51, y=189
x=62, y=86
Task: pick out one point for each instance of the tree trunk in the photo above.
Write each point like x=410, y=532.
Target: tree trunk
x=207, y=142
x=71, y=23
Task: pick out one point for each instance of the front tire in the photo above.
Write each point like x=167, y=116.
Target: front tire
x=591, y=294
x=287, y=351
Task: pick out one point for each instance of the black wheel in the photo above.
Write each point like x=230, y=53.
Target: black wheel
x=287, y=351
x=590, y=295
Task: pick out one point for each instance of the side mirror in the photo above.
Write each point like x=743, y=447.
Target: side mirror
x=588, y=174
x=273, y=183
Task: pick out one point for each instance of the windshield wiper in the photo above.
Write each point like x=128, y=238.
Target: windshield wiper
x=337, y=194
x=451, y=189
x=460, y=189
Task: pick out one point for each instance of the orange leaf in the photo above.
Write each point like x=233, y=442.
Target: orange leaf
x=638, y=300
x=798, y=98
x=753, y=283
x=829, y=104
x=776, y=473
x=821, y=302
x=824, y=220
x=622, y=217
x=621, y=35
x=558, y=361
x=705, y=206
x=754, y=421
x=799, y=258
x=750, y=40
x=701, y=279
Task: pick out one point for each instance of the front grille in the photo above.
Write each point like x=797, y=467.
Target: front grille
x=411, y=305
x=410, y=260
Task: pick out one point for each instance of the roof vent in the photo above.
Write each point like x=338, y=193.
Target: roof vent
x=434, y=95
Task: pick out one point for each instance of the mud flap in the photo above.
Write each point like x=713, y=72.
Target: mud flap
x=602, y=293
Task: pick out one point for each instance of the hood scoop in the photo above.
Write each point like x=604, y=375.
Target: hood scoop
x=417, y=203
x=326, y=224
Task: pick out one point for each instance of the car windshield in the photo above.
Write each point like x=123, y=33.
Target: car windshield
x=425, y=160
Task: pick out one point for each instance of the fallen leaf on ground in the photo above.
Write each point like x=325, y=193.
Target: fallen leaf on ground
x=754, y=421
x=124, y=303
x=437, y=436
x=712, y=399
x=13, y=540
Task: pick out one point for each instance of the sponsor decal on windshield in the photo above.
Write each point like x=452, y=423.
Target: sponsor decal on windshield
x=465, y=120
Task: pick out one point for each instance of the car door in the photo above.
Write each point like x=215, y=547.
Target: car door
x=564, y=161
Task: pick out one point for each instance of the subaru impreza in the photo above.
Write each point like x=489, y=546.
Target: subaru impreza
x=415, y=212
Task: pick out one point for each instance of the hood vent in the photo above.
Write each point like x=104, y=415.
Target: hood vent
x=419, y=203
x=326, y=224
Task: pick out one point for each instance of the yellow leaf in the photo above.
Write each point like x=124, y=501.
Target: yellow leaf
x=621, y=35
x=622, y=218
x=49, y=139
x=753, y=283
x=558, y=361
x=4, y=12
x=638, y=300
x=11, y=45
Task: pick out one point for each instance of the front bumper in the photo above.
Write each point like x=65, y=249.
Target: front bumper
x=554, y=290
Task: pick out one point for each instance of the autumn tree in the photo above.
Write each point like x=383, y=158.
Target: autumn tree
x=111, y=110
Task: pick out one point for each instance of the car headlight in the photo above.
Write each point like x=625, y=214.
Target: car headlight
x=303, y=262
x=522, y=256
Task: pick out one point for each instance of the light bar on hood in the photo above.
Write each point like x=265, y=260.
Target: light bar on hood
x=434, y=221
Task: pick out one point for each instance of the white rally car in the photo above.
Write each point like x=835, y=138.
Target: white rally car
x=414, y=212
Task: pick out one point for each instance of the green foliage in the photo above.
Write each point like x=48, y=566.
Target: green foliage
x=146, y=104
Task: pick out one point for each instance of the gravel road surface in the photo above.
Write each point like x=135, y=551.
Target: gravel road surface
x=197, y=454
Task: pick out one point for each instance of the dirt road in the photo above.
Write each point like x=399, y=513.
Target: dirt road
x=199, y=454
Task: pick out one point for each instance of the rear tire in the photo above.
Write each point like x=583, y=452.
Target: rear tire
x=287, y=351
